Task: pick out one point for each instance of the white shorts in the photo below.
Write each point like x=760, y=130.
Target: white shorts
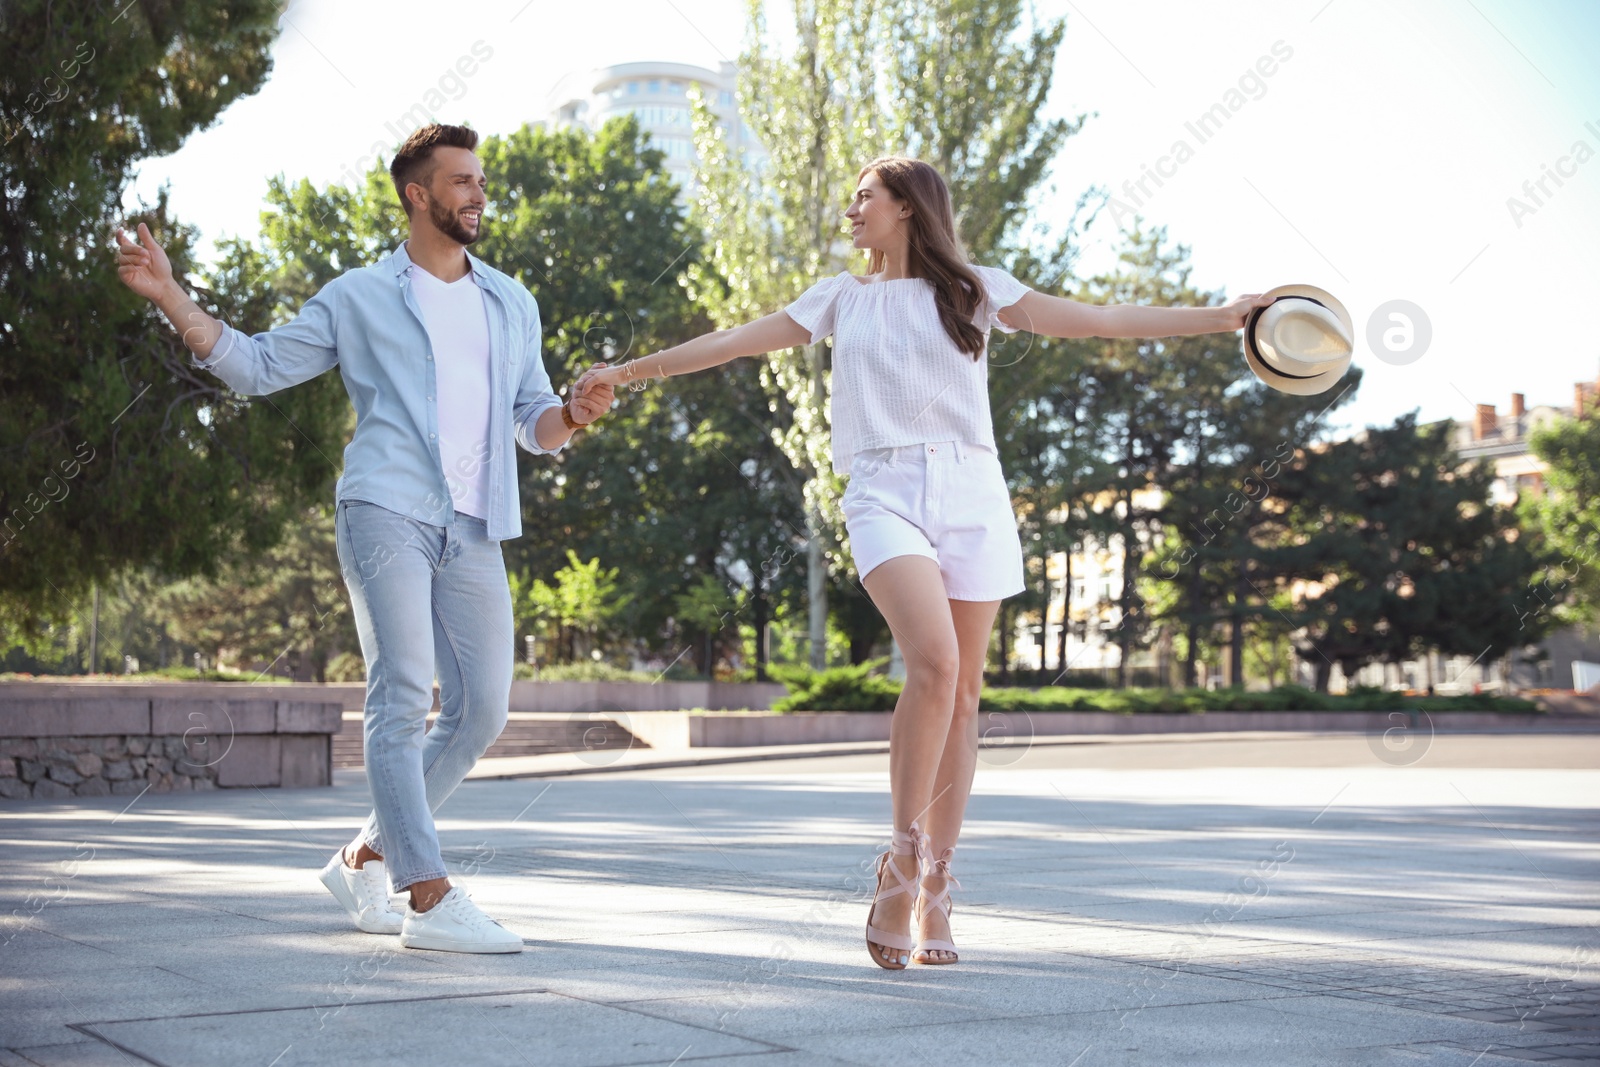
x=944, y=500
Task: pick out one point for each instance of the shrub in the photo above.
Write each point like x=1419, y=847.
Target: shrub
x=853, y=688
x=581, y=671
x=189, y=674
x=347, y=667
x=858, y=688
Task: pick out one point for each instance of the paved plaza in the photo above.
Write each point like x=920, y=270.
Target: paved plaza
x=1234, y=901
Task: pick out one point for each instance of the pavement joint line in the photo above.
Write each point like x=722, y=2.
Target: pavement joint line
x=124, y=1053
x=772, y=1046
x=314, y=1007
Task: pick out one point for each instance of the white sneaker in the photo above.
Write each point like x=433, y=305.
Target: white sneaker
x=456, y=924
x=364, y=894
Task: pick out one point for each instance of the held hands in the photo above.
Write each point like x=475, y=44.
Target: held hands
x=602, y=376
x=590, y=398
x=1239, y=310
x=143, y=267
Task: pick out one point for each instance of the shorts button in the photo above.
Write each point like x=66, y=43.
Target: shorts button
x=932, y=450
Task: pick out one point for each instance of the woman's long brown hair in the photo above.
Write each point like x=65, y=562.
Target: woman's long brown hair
x=933, y=250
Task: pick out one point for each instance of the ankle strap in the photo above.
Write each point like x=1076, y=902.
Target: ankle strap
x=910, y=842
x=940, y=867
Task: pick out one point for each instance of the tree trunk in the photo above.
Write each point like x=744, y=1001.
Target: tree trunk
x=1236, y=649
x=1066, y=613
x=1005, y=645
x=1044, y=612
x=1235, y=642
x=1190, y=653
x=1324, y=674
x=816, y=592
x=94, y=632
x=816, y=560
x=1125, y=601
x=758, y=595
x=1241, y=604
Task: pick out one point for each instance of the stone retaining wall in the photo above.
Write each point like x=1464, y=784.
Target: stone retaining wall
x=98, y=766
x=60, y=739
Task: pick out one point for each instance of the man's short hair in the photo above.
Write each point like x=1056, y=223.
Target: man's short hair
x=414, y=161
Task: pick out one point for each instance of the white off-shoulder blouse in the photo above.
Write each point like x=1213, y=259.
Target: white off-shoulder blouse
x=898, y=378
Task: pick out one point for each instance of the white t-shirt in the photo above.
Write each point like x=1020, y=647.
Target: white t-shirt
x=458, y=326
x=898, y=378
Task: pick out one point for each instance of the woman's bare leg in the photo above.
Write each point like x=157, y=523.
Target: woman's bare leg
x=974, y=622
x=909, y=592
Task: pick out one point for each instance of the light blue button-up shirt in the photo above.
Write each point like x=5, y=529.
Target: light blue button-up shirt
x=366, y=321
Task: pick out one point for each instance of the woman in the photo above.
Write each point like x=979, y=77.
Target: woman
x=928, y=514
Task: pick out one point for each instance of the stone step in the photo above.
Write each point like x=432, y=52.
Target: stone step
x=524, y=735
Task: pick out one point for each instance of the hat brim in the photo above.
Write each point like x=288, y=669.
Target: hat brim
x=1300, y=382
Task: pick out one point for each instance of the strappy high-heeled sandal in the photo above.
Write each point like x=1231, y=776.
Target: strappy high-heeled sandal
x=939, y=868
x=912, y=842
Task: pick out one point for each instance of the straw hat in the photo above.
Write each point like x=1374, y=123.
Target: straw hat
x=1302, y=342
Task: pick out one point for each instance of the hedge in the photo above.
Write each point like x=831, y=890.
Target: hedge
x=860, y=688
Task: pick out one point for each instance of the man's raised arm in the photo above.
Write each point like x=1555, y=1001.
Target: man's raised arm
x=255, y=366
x=145, y=269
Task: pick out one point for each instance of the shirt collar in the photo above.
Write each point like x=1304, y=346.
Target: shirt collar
x=400, y=262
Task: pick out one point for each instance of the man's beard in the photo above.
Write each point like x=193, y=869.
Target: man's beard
x=449, y=223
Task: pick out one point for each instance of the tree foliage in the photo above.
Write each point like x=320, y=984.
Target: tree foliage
x=116, y=451
x=1567, y=517
x=1394, y=548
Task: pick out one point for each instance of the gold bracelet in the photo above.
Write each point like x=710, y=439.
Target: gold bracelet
x=635, y=384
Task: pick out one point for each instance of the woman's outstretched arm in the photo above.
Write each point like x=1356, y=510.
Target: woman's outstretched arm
x=1054, y=316
x=766, y=334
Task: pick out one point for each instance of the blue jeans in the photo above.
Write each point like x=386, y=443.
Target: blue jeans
x=426, y=599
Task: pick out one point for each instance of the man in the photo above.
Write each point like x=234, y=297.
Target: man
x=440, y=354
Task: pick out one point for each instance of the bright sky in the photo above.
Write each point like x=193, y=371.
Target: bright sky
x=1375, y=160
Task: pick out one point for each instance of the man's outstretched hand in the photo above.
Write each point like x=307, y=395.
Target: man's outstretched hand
x=590, y=399
x=143, y=267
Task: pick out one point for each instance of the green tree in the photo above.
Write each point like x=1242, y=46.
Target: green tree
x=117, y=451
x=707, y=606
x=281, y=612
x=1394, y=548
x=680, y=481
x=1153, y=404
x=576, y=611
x=1567, y=517
x=964, y=91
x=1221, y=508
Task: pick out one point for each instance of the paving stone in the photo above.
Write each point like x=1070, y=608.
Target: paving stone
x=482, y=1029
x=717, y=916
x=72, y=1054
